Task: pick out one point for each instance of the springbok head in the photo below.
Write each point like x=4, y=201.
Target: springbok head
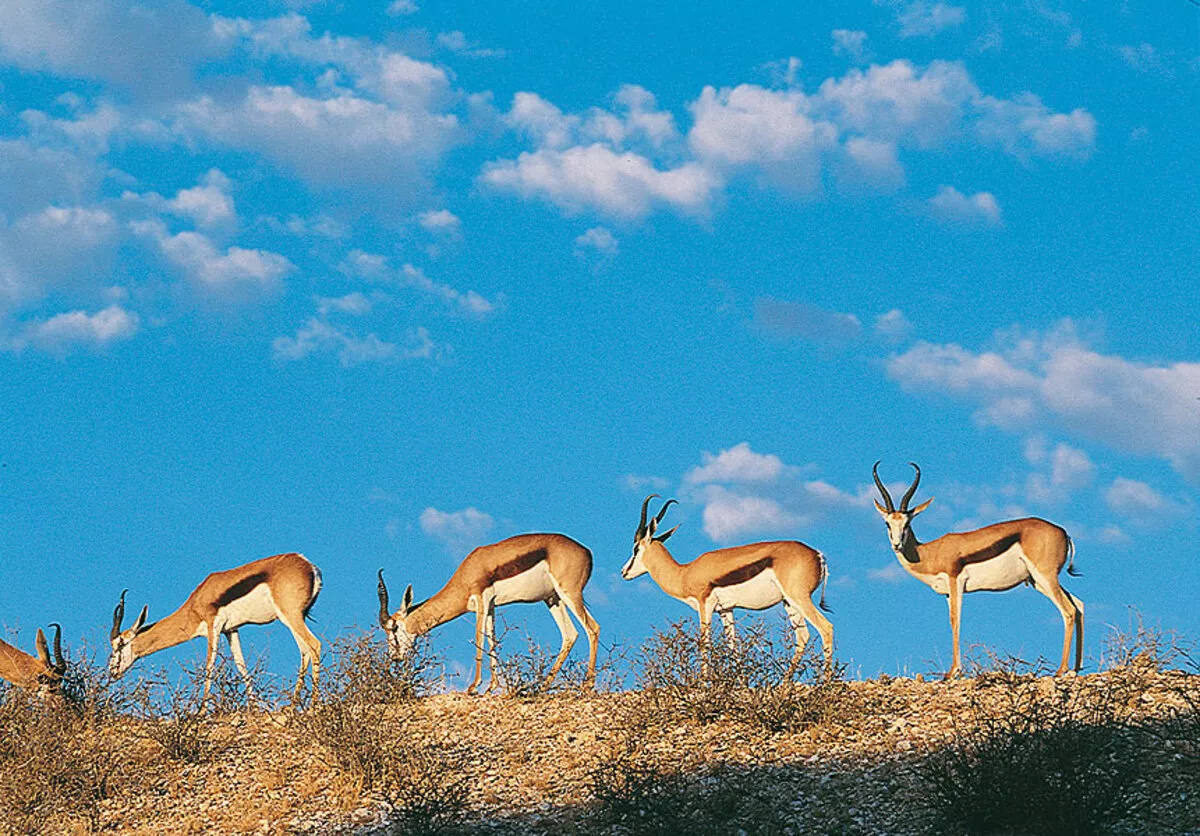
x=122, y=657
x=400, y=639
x=49, y=680
x=899, y=521
x=645, y=538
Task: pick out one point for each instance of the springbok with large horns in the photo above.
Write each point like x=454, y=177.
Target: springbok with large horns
x=283, y=587
x=993, y=559
x=527, y=568
x=37, y=674
x=753, y=577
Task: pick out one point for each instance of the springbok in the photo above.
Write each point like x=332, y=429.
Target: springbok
x=282, y=587
x=36, y=674
x=524, y=569
x=993, y=559
x=753, y=577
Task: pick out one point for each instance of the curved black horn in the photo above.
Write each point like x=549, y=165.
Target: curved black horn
x=912, y=489
x=59, y=663
x=662, y=512
x=118, y=616
x=641, y=529
x=383, y=601
x=887, y=497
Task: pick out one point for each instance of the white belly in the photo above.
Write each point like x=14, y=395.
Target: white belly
x=1004, y=571
x=758, y=593
x=255, y=607
x=534, y=584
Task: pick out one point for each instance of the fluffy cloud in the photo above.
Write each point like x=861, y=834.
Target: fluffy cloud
x=208, y=203
x=1024, y=125
x=599, y=239
x=78, y=328
x=738, y=464
x=1068, y=470
x=1141, y=503
x=595, y=177
x=222, y=273
x=440, y=221
x=892, y=325
x=951, y=204
x=849, y=42
x=458, y=531
x=376, y=268
x=1136, y=407
x=320, y=337
x=56, y=247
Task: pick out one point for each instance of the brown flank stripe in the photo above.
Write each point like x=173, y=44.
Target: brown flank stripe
x=743, y=573
x=994, y=550
x=239, y=589
x=519, y=564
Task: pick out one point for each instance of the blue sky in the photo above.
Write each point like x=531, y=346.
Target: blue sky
x=381, y=282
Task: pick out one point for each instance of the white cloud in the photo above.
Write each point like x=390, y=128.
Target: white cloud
x=892, y=573
x=375, y=268
x=355, y=304
x=951, y=204
x=771, y=129
x=62, y=332
x=457, y=43
x=728, y=515
x=402, y=7
x=598, y=238
x=1070, y=469
x=849, y=42
x=319, y=337
x=874, y=163
x=441, y=221
x=892, y=325
x=739, y=464
x=209, y=203
x=53, y=248
x=1024, y=125
x=924, y=19
x=1139, y=502
x=1135, y=407
x=231, y=271
x=147, y=49
x=595, y=177
x=458, y=531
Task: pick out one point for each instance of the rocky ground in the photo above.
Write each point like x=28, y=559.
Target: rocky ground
x=538, y=765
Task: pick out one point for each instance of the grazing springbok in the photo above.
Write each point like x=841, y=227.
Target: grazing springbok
x=279, y=588
x=529, y=567
x=993, y=559
x=753, y=577
x=36, y=674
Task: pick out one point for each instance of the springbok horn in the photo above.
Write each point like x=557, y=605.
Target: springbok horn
x=60, y=664
x=383, y=601
x=662, y=512
x=912, y=488
x=118, y=616
x=641, y=529
x=887, y=497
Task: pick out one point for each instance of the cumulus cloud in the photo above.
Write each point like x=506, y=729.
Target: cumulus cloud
x=61, y=333
x=952, y=205
x=738, y=464
x=458, y=531
x=1024, y=126
x=229, y=272
x=208, y=203
x=376, y=268
x=457, y=43
x=440, y=221
x=849, y=42
x=892, y=326
x=318, y=336
x=1068, y=469
x=599, y=239
x=59, y=246
x=1139, y=502
x=1056, y=378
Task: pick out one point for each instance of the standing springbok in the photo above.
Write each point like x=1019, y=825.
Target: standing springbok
x=993, y=559
x=753, y=577
x=524, y=569
x=279, y=588
x=37, y=674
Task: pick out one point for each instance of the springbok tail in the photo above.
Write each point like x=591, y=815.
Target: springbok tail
x=824, y=583
x=1071, y=559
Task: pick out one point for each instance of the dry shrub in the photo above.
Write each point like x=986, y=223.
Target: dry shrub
x=1068, y=755
x=59, y=761
x=360, y=728
x=525, y=673
x=754, y=679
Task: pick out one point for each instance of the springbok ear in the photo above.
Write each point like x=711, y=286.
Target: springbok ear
x=43, y=650
x=662, y=538
x=882, y=511
x=652, y=527
x=141, y=620
x=920, y=507
x=406, y=602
